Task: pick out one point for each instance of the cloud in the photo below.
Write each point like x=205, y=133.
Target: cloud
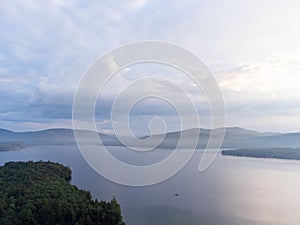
x=137, y=4
x=263, y=95
x=47, y=45
x=273, y=78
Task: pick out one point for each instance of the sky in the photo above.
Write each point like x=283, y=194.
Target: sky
x=252, y=47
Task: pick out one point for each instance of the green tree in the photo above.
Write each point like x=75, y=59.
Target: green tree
x=39, y=193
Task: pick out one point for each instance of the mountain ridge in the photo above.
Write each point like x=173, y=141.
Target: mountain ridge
x=235, y=137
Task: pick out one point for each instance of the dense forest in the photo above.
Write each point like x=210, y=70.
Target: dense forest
x=275, y=153
x=40, y=193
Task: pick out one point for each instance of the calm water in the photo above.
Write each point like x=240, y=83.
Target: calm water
x=232, y=191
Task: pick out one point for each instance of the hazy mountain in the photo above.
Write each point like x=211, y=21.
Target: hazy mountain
x=57, y=136
x=235, y=137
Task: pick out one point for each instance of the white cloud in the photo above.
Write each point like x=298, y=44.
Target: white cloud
x=264, y=95
x=274, y=78
x=137, y=4
x=6, y=79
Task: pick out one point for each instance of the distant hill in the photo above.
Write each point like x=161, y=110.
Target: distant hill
x=58, y=136
x=235, y=137
x=3, y=131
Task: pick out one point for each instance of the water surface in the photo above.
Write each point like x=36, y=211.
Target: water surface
x=232, y=191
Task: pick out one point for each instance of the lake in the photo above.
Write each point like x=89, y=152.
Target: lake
x=232, y=191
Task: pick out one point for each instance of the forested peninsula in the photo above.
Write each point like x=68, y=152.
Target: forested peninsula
x=274, y=153
x=39, y=193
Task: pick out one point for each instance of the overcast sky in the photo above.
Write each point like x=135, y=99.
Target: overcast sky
x=251, y=46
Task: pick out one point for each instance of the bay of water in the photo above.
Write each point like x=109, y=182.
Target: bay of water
x=232, y=191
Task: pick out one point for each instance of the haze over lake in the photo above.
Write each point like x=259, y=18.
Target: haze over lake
x=232, y=191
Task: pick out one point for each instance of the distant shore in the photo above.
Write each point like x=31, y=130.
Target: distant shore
x=272, y=153
x=12, y=146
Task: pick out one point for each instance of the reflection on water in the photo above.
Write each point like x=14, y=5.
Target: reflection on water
x=232, y=191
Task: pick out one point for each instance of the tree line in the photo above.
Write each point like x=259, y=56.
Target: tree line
x=39, y=193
